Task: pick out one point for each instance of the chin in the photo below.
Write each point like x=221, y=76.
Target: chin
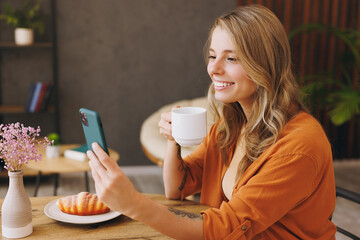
x=224, y=99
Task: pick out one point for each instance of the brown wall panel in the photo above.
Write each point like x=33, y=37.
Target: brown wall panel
x=318, y=52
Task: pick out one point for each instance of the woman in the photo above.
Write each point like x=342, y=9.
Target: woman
x=265, y=167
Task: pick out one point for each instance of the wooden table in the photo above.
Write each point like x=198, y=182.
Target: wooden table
x=60, y=165
x=121, y=227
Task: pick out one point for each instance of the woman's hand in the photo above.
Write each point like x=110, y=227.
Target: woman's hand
x=165, y=125
x=116, y=191
x=111, y=184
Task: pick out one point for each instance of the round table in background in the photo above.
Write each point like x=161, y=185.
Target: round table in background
x=56, y=166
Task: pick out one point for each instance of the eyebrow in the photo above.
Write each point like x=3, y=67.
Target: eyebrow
x=226, y=51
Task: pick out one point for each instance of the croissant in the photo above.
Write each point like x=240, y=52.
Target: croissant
x=82, y=204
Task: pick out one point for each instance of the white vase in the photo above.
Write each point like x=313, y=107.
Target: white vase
x=24, y=36
x=53, y=151
x=16, y=216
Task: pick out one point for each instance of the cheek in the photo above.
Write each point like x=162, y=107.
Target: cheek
x=246, y=85
x=208, y=69
x=251, y=86
x=249, y=89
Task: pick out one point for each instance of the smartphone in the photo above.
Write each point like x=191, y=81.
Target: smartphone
x=93, y=129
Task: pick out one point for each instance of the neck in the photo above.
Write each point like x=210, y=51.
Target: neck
x=246, y=105
x=247, y=110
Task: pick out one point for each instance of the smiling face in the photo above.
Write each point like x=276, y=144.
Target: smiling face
x=230, y=80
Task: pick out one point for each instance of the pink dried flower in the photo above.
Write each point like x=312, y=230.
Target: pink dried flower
x=17, y=145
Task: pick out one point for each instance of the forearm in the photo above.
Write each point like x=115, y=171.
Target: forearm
x=171, y=222
x=173, y=171
x=116, y=191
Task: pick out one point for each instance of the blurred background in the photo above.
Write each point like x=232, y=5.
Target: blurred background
x=128, y=58
x=124, y=59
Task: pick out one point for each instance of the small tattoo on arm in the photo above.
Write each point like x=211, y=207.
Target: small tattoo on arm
x=178, y=152
x=185, y=214
x=181, y=167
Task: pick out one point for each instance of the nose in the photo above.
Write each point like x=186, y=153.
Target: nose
x=215, y=67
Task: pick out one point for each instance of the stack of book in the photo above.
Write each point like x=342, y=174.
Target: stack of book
x=38, y=97
x=78, y=153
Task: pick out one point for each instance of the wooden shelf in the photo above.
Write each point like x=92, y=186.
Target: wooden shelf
x=47, y=50
x=16, y=109
x=5, y=45
x=12, y=109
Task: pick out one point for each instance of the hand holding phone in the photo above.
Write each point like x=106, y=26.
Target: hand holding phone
x=93, y=130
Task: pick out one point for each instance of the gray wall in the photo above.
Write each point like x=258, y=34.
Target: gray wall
x=126, y=59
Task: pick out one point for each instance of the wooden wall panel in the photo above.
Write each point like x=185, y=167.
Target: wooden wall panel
x=319, y=52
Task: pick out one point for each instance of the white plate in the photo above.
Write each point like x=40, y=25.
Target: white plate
x=52, y=211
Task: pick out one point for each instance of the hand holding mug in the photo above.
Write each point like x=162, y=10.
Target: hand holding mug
x=165, y=124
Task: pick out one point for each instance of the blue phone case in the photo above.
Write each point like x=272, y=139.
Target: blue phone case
x=93, y=130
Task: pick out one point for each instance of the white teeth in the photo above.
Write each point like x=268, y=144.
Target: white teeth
x=222, y=84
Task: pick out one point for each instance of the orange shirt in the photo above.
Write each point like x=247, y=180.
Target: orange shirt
x=287, y=193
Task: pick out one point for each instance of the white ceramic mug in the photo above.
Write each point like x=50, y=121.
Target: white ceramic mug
x=188, y=125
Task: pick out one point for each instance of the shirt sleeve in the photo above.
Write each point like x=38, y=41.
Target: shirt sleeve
x=278, y=186
x=194, y=164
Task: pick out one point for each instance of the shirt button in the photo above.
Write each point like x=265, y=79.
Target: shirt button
x=244, y=228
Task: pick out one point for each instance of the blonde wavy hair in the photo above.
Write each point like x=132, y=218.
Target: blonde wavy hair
x=263, y=50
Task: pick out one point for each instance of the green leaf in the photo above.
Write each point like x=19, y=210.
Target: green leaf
x=54, y=137
x=28, y=16
x=316, y=89
x=345, y=104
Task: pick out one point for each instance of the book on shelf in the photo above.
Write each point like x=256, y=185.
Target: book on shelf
x=78, y=153
x=35, y=96
x=41, y=97
x=38, y=97
x=29, y=97
x=47, y=97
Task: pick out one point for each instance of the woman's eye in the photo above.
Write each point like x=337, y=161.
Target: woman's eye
x=231, y=59
x=211, y=57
